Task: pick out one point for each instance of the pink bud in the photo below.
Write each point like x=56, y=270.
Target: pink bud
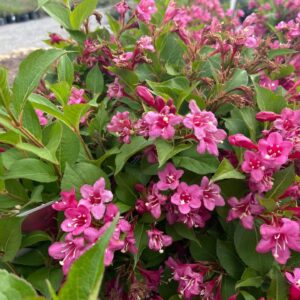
x=265, y=116
x=159, y=103
x=145, y=94
x=239, y=140
x=171, y=11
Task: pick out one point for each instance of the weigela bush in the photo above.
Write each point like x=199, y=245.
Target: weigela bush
x=163, y=149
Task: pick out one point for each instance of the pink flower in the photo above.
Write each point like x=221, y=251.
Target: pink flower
x=122, y=7
x=76, y=96
x=145, y=9
x=67, y=200
x=115, y=90
x=55, y=38
x=170, y=12
x=76, y=219
x=274, y=150
x=266, y=116
x=210, y=194
x=154, y=201
x=158, y=240
x=111, y=212
x=239, y=140
x=195, y=218
x=169, y=178
x=263, y=185
x=187, y=197
x=42, y=119
x=288, y=121
x=162, y=124
x=145, y=94
x=130, y=243
x=123, y=60
x=279, y=238
x=251, y=42
x=145, y=43
x=122, y=126
x=95, y=197
x=152, y=277
x=294, y=278
x=267, y=83
x=245, y=210
x=254, y=165
x=68, y=251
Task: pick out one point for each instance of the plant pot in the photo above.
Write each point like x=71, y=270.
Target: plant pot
x=10, y=19
x=2, y=21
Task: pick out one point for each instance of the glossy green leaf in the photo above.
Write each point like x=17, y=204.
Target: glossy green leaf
x=239, y=78
x=95, y=81
x=226, y=171
x=65, y=70
x=141, y=240
x=278, y=289
x=5, y=93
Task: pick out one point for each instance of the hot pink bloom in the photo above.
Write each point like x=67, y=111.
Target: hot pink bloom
x=267, y=83
x=95, y=197
x=187, y=197
x=122, y=7
x=274, y=150
x=266, y=116
x=210, y=194
x=154, y=201
x=251, y=42
x=76, y=219
x=152, y=277
x=42, y=119
x=145, y=94
x=170, y=12
x=145, y=43
x=263, y=185
x=145, y=9
x=158, y=240
x=245, y=210
x=55, y=38
x=254, y=165
x=294, y=278
x=289, y=120
x=122, y=126
x=123, y=60
x=194, y=219
x=110, y=212
x=169, y=178
x=280, y=237
x=239, y=140
x=162, y=124
x=67, y=200
x=68, y=251
x=76, y=96
x=130, y=243
x=115, y=90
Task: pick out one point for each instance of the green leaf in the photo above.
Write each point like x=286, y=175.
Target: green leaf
x=227, y=288
x=229, y=259
x=166, y=151
x=31, y=168
x=247, y=296
x=57, y=11
x=73, y=114
x=30, y=73
x=5, y=94
x=13, y=287
x=95, y=81
x=239, y=78
x=141, y=240
x=245, y=243
x=34, y=237
x=205, y=249
x=278, y=52
x=114, y=25
x=226, y=171
x=81, y=12
x=85, y=276
x=10, y=238
x=62, y=91
x=278, y=289
x=250, y=278
x=128, y=150
x=269, y=101
x=31, y=122
x=202, y=165
x=65, y=70
x=186, y=233
x=52, y=136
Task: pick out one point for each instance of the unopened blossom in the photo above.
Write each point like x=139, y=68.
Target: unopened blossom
x=76, y=96
x=210, y=194
x=254, y=165
x=274, y=150
x=145, y=94
x=67, y=200
x=154, y=201
x=170, y=12
x=145, y=9
x=55, y=38
x=145, y=43
x=169, y=178
x=294, y=278
x=42, y=119
x=115, y=90
x=122, y=126
x=158, y=240
x=186, y=197
x=162, y=124
x=95, y=197
x=267, y=116
x=67, y=251
x=239, y=140
x=280, y=237
x=244, y=209
x=122, y=7
x=76, y=219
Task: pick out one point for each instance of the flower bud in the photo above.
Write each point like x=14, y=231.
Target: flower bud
x=239, y=140
x=145, y=94
x=265, y=116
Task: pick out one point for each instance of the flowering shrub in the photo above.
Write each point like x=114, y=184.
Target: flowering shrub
x=164, y=151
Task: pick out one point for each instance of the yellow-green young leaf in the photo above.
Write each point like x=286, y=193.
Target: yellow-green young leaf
x=29, y=75
x=13, y=287
x=81, y=12
x=88, y=270
x=32, y=169
x=95, y=81
x=73, y=114
x=31, y=122
x=10, y=238
x=4, y=88
x=226, y=171
x=62, y=91
x=52, y=136
x=10, y=138
x=57, y=11
x=65, y=70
